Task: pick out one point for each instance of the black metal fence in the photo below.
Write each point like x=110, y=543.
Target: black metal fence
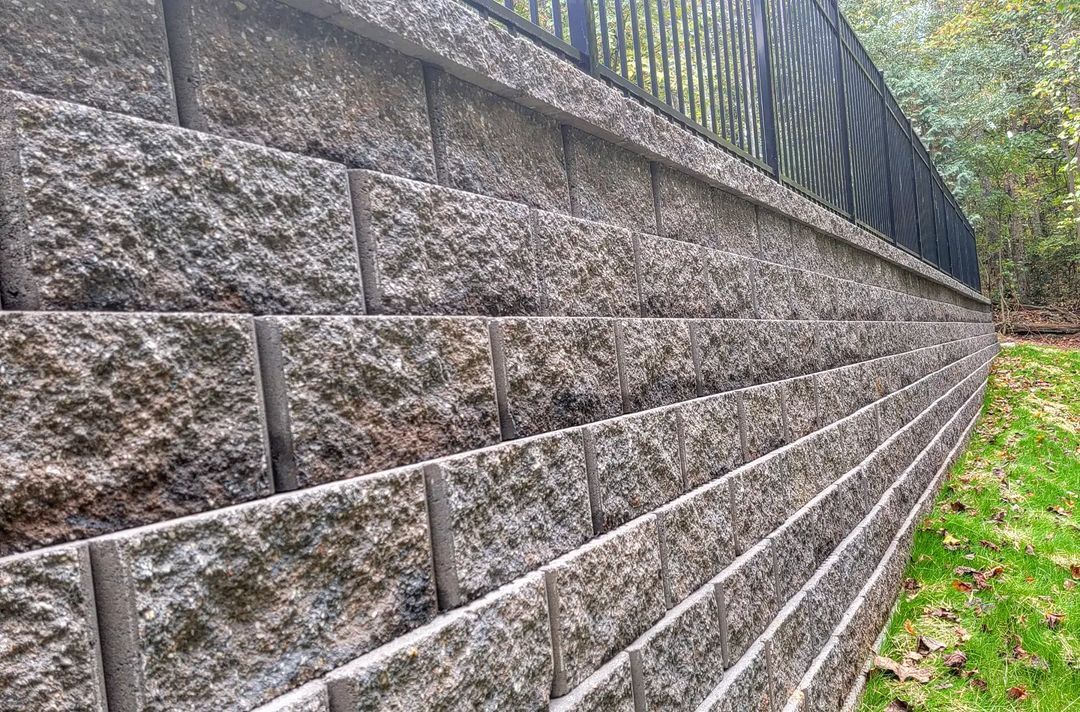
x=784, y=84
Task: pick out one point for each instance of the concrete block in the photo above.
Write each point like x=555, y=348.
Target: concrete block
x=352, y=395
x=512, y=508
x=608, y=183
x=115, y=420
x=814, y=295
x=745, y=687
x=679, y=659
x=488, y=144
x=494, y=654
x=844, y=390
x=111, y=54
x=429, y=250
x=746, y=598
x=586, y=268
x=711, y=442
x=192, y=613
x=696, y=538
x=112, y=213
x=792, y=645
x=262, y=72
x=558, y=373
x=773, y=293
x=804, y=344
x=609, y=689
x=764, y=495
x=794, y=550
x=48, y=633
x=741, y=353
x=312, y=697
x=801, y=412
x=634, y=466
x=761, y=415
x=693, y=211
x=656, y=362
x=774, y=231
x=681, y=280
x=601, y=597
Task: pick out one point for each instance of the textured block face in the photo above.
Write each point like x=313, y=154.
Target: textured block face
x=637, y=466
x=496, y=654
x=587, y=268
x=681, y=662
x=793, y=645
x=111, y=54
x=429, y=250
x=48, y=633
x=609, y=690
x=773, y=293
x=711, y=438
x=763, y=499
x=794, y=549
x=693, y=211
x=312, y=697
x=722, y=354
x=775, y=235
x=801, y=412
x=608, y=595
x=697, y=538
x=515, y=508
x=657, y=364
x=494, y=146
x=681, y=280
x=262, y=72
x=747, y=601
x=366, y=394
x=745, y=687
x=763, y=420
x=116, y=420
x=559, y=373
x=609, y=184
x=200, y=602
x=125, y=215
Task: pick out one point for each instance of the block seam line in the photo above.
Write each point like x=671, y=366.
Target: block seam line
x=507, y=430
x=440, y=527
x=18, y=289
x=117, y=621
x=260, y=400
x=90, y=611
x=620, y=365
x=559, y=683
x=275, y=398
x=170, y=78
x=436, y=121
x=183, y=71
x=364, y=242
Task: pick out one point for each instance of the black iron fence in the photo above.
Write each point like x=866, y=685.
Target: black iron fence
x=784, y=84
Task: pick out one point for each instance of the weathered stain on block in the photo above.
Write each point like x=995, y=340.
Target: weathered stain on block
x=111, y=54
x=657, y=365
x=193, y=613
x=608, y=183
x=363, y=394
x=429, y=250
x=114, y=213
x=711, y=440
x=111, y=421
x=682, y=280
x=48, y=633
x=262, y=72
x=697, y=538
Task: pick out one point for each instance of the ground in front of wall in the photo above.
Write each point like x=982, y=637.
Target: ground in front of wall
x=989, y=618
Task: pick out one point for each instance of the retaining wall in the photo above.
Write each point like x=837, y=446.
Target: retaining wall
x=362, y=355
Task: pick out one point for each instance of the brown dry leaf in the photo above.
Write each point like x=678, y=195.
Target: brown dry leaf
x=901, y=671
x=1017, y=693
x=961, y=634
x=926, y=645
x=989, y=545
x=979, y=684
x=998, y=517
x=1060, y=511
x=955, y=659
x=1069, y=584
x=1030, y=550
x=1053, y=620
x=910, y=628
x=950, y=542
x=944, y=613
x=994, y=572
x=957, y=506
x=898, y=706
x=1074, y=569
x=962, y=586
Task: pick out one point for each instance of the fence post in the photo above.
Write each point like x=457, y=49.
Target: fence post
x=763, y=63
x=842, y=111
x=888, y=154
x=915, y=191
x=580, y=18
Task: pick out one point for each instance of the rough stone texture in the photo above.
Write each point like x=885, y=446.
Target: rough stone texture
x=636, y=466
x=745, y=687
x=114, y=213
x=845, y=390
x=693, y=211
x=559, y=373
x=363, y=394
x=262, y=72
x=681, y=280
x=608, y=183
x=746, y=599
x=492, y=655
x=711, y=440
x=773, y=292
x=111, y=54
x=429, y=250
x=49, y=657
x=793, y=644
x=587, y=268
x=608, y=594
x=488, y=144
x=609, y=689
x=680, y=658
x=801, y=412
x=774, y=233
x=312, y=697
x=794, y=545
x=697, y=538
x=657, y=365
x=516, y=507
x=763, y=497
x=115, y=420
x=198, y=605
x=762, y=418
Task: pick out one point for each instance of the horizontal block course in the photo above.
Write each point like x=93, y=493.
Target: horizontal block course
x=711, y=443
x=609, y=688
x=693, y=211
x=608, y=183
x=696, y=538
x=746, y=599
x=685, y=280
x=656, y=361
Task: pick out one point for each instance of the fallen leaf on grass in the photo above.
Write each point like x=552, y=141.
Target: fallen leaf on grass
x=956, y=659
x=979, y=684
x=998, y=517
x=912, y=587
x=910, y=628
x=962, y=586
x=944, y=613
x=898, y=706
x=1030, y=550
x=1053, y=620
x=926, y=645
x=957, y=506
x=950, y=542
x=962, y=635
x=1074, y=569
x=989, y=545
x=1017, y=693
x=1060, y=511
x=1069, y=584
x=901, y=671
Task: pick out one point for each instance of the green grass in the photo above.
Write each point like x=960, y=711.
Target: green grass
x=1011, y=501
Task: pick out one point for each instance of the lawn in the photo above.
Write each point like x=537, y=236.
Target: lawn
x=989, y=618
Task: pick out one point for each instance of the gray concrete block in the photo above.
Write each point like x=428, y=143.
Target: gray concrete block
x=814, y=295
x=312, y=697
x=488, y=144
x=774, y=296
x=492, y=655
x=711, y=442
x=192, y=613
x=764, y=495
x=682, y=280
x=601, y=597
x=697, y=538
x=774, y=231
x=792, y=645
x=116, y=214
x=348, y=396
x=48, y=633
x=558, y=373
x=722, y=353
x=745, y=687
x=693, y=211
x=608, y=183
x=514, y=508
x=679, y=659
x=586, y=268
x=793, y=547
x=116, y=420
x=844, y=390
x=656, y=362
x=111, y=54
x=801, y=412
x=609, y=689
x=761, y=415
x=634, y=466
x=262, y=72
x=746, y=598
x=429, y=250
